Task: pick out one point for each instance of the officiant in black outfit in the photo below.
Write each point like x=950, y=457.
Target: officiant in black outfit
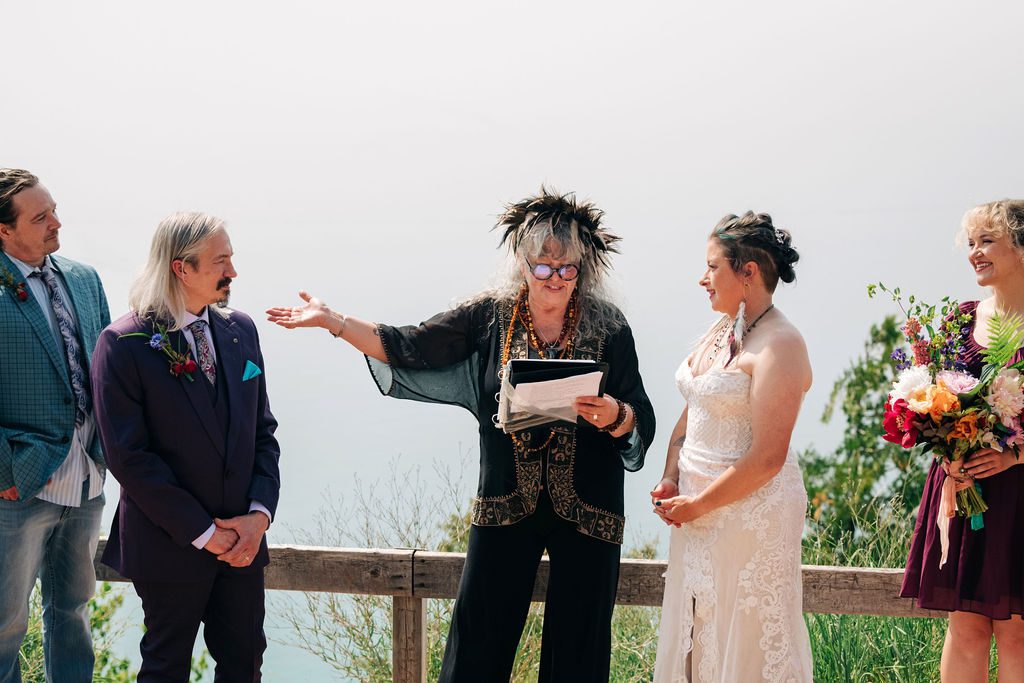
x=557, y=487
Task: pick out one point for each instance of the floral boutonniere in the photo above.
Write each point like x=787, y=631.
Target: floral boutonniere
x=180, y=363
x=7, y=280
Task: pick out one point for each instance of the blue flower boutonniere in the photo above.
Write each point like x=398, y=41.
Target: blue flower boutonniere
x=7, y=281
x=180, y=363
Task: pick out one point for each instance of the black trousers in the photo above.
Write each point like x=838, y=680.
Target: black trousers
x=494, y=598
x=230, y=604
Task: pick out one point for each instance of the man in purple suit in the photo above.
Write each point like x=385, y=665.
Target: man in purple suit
x=181, y=404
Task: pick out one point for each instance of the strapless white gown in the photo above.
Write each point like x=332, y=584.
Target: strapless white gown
x=733, y=596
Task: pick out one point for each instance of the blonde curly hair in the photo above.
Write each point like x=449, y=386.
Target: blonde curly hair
x=1003, y=217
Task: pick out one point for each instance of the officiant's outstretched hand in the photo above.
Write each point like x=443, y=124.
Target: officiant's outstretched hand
x=314, y=312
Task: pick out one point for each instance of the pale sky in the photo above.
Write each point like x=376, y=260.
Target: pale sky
x=363, y=150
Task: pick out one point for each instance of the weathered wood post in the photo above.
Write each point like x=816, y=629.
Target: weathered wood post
x=408, y=640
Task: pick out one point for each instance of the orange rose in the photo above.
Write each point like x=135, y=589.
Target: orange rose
x=934, y=400
x=966, y=428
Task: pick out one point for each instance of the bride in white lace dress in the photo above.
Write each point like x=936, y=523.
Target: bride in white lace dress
x=732, y=490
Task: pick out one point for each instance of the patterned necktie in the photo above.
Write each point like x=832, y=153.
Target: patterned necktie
x=72, y=348
x=205, y=359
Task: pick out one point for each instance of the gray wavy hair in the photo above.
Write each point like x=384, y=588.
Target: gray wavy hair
x=558, y=226
x=157, y=291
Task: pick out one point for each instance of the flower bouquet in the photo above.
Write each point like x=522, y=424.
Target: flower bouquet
x=937, y=404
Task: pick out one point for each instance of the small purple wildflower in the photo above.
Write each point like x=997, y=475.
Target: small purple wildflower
x=156, y=340
x=899, y=356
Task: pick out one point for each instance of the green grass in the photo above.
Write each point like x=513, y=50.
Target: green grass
x=863, y=649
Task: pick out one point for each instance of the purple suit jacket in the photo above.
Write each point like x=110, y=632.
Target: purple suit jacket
x=176, y=467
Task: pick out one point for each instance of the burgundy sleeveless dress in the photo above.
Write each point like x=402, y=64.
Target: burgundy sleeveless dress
x=984, y=571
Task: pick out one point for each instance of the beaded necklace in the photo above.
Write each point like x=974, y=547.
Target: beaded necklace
x=718, y=344
x=752, y=325
x=721, y=341
x=734, y=344
x=522, y=310
x=568, y=326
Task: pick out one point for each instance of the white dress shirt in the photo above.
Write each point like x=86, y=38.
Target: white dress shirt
x=254, y=505
x=65, y=485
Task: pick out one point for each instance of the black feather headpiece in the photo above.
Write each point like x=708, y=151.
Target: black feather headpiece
x=562, y=211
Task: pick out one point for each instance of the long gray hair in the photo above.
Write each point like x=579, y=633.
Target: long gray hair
x=157, y=291
x=556, y=225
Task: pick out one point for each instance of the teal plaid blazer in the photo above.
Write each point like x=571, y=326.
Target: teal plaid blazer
x=37, y=408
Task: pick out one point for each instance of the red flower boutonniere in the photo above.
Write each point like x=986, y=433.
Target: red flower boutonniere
x=180, y=363
x=7, y=280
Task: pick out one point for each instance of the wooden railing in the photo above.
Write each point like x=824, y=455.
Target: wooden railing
x=411, y=576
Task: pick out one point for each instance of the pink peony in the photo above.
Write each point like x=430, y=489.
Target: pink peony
x=1005, y=396
x=957, y=382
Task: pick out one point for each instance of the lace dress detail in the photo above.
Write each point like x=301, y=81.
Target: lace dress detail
x=733, y=596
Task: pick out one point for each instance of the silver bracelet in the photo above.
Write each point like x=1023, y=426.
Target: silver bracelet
x=341, y=330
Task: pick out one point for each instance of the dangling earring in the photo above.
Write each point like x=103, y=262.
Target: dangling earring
x=739, y=326
x=740, y=323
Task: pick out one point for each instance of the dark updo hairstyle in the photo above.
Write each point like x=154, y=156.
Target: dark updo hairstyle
x=752, y=237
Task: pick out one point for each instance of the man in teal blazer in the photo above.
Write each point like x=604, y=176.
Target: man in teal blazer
x=52, y=310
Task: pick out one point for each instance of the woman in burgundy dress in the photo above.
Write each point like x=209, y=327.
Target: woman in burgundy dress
x=982, y=583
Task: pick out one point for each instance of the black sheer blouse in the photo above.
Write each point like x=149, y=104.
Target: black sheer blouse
x=454, y=358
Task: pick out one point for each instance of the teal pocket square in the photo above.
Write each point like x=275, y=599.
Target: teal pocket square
x=251, y=370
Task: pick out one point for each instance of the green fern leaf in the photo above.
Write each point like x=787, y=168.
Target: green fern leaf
x=1005, y=338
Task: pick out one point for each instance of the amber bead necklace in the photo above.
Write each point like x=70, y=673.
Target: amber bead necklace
x=521, y=310
x=544, y=348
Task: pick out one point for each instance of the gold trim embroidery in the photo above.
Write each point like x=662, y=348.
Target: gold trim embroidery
x=505, y=510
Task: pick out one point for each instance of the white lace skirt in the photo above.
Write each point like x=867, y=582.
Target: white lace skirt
x=733, y=606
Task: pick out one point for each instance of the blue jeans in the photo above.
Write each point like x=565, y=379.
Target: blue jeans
x=56, y=544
